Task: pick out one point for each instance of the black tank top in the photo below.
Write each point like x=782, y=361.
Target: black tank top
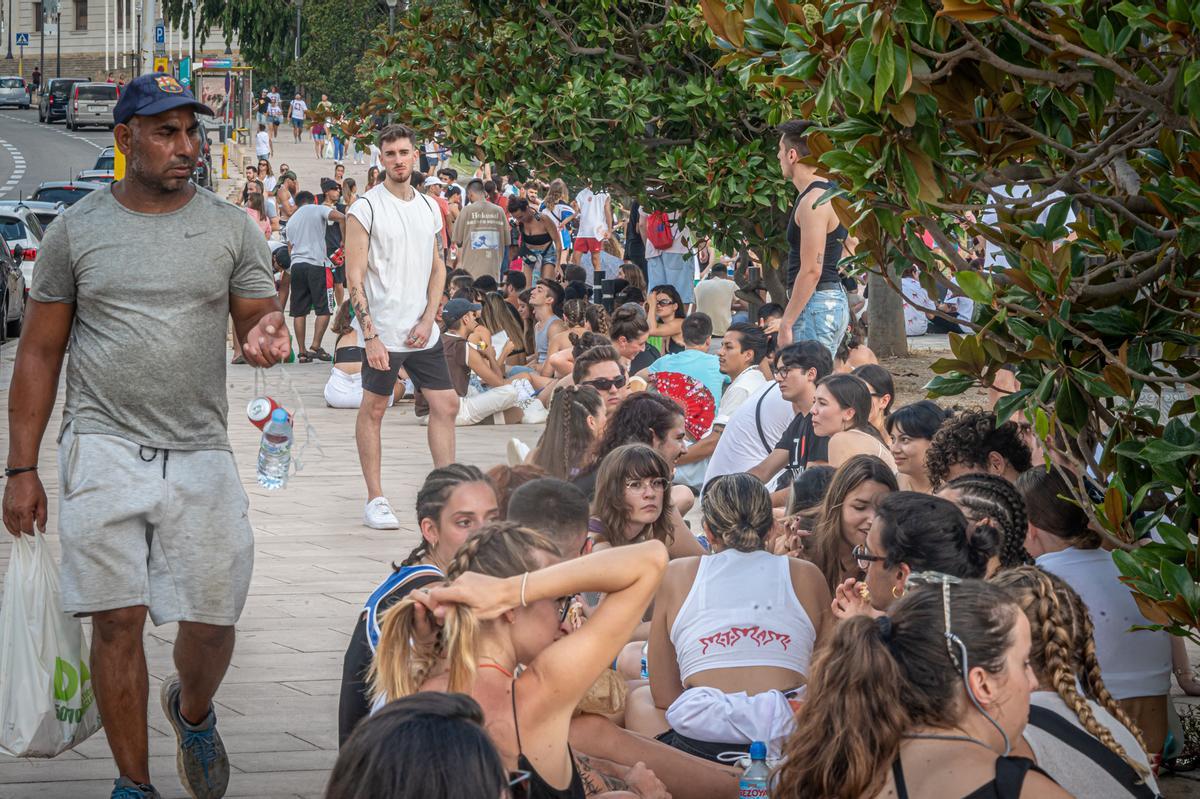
x=1010, y=774
x=833, y=243
x=538, y=788
x=532, y=239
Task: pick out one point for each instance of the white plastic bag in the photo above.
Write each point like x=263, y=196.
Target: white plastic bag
x=328, y=151
x=46, y=700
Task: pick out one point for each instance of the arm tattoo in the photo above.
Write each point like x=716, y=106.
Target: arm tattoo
x=358, y=299
x=595, y=782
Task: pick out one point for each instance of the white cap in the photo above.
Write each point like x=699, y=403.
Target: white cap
x=433, y=180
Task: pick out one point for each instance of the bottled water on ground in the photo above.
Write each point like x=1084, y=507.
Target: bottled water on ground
x=275, y=451
x=756, y=779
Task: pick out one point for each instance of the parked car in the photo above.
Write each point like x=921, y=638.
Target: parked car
x=52, y=104
x=46, y=212
x=19, y=227
x=96, y=175
x=13, y=91
x=92, y=104
x=68, y=192
x=12, y=292
x=104, y=161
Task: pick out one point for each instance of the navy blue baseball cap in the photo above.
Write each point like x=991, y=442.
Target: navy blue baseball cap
x=154, y=93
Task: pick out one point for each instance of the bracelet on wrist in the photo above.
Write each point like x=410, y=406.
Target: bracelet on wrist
x=12, y=472
x=370, y=338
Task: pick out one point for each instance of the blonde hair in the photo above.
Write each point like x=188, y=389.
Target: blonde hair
x=737, y=510
x=1064, y=651
x=401, y=665
x=557, y=192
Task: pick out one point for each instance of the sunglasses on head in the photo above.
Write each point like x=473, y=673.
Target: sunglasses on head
x=606, y=383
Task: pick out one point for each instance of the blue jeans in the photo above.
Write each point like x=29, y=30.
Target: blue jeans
x=338, y=148
x=824, y=319
x=674, y=269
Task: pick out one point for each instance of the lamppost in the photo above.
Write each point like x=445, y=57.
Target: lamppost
x=299, y=3
x=392, y=16
x=8, y=23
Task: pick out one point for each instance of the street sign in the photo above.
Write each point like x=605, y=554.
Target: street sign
x=22, y=40
x=185, y=71
x=50, y=28
x=218, y=63
x=161, y=64
x=160, y=34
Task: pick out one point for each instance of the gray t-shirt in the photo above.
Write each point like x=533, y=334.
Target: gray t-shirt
x=151, y=295
x=306, y=234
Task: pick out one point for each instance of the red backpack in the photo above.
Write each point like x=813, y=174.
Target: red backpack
x=658, y=231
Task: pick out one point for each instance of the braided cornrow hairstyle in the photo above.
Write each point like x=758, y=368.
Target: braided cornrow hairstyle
x=596, y=319
x=575, y=312
x=567, y=441
x=1061, y=634
x=403, y=662
x=432, y=498
x=994, y=498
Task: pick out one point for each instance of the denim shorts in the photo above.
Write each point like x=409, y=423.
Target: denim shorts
x=675, y=269
x=824, y=319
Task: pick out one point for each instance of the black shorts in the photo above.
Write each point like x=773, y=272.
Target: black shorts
x=309, y=290
x=701, y=749
x=426, y=368
x=339, y=275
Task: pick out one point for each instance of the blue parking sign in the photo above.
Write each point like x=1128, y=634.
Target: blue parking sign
x=22, y=40
x=160, y=34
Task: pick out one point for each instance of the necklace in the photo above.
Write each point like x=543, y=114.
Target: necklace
x=930, y=736
x=498, y=668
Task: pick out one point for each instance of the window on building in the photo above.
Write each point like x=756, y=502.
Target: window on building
x=122, y=13
x=81, y=15
x=37, y=17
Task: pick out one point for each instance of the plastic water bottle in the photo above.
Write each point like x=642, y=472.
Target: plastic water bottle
x=756, y=779
x=275, y=451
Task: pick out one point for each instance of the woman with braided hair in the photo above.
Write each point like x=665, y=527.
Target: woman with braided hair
x=993, y=504
x=505, y=608
x=923, y=702
x=577, y=416
x=575, y=319
x=452, y=504
x=1074, y=723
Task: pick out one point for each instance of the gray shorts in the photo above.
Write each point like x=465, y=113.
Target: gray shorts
x=166, y=529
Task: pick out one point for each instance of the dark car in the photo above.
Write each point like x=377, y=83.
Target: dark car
x=12, y=292
x=55, y=94
x=67, y=192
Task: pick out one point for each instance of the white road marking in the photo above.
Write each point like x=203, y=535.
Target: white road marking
x=18, y=168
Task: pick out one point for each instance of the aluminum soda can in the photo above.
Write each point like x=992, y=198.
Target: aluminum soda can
x=259, y=411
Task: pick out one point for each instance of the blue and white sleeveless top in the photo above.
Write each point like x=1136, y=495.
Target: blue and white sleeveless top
x=397, y=582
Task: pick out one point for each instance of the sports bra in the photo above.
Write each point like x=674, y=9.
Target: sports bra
x=742, y=611
x=1010, y=774
x=538, y=787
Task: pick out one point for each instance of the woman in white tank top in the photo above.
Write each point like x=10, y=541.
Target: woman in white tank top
x=732, y=634
x=842, y=411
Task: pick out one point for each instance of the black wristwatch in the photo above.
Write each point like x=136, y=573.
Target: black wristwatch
x=19, y=470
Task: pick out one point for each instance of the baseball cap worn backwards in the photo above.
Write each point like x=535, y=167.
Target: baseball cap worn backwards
x=154, y=93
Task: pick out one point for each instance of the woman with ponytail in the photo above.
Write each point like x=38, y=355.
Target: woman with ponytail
x=923, y=702
x=1074, y=723
x=993, y=505
x=504, y=608
x=912, y=532
x=732, y=634
x=453, y=503
x=577, y=416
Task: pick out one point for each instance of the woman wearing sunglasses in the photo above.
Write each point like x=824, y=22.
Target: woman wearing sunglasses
x=505, y=609
x=665, y=313
x=912, y=532
x=733, y=633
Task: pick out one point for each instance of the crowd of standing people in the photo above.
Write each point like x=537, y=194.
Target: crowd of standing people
x=727, y=531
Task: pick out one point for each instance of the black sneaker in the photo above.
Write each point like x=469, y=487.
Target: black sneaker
x=201, y=761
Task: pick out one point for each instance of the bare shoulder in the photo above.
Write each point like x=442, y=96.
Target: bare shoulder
x=808, y=580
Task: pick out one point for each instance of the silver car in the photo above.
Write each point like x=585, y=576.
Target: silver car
x=91, y=104
x=19, y=227
x=12, y=294
x=13, y=91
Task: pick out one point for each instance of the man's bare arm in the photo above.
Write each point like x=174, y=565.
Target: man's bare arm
x=437, y=281
x=356, y=275
x=34, y=384
x=599, y=775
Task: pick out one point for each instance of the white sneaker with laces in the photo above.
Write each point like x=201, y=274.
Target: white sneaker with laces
x=378, y=515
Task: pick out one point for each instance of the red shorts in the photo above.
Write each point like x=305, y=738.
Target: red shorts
x=586, y=245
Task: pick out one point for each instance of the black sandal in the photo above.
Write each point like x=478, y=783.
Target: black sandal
x=303, y=357
x=320, y=354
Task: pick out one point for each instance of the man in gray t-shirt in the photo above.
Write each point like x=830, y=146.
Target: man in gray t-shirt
x=142, y=278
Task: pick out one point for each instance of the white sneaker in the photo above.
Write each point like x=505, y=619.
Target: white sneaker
x=535, y=413
x=518, y=451
x=378, y=515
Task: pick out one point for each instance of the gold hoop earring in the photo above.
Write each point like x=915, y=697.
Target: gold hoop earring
x=897, y=592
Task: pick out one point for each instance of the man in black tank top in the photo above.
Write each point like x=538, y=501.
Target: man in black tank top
x=817, y=307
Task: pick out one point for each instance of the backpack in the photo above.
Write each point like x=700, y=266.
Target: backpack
x=658, y=230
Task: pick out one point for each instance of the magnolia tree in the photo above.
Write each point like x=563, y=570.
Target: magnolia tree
x=1065, y=133
x=625, y=95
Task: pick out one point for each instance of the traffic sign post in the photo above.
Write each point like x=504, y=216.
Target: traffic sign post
x=22, y=40
x=161, y=64
x=185, y=71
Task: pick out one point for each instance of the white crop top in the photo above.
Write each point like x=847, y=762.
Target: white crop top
x=742, y=611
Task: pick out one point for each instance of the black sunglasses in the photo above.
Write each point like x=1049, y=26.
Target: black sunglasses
x=564, y=607
x=606, y=383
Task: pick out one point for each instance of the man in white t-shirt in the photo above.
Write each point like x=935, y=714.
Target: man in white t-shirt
x=296, y=112
x=743, y=348
x=395, y=277
x=262, y=143
x=595, y=216
x=274, y=110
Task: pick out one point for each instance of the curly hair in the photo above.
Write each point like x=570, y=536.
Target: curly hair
x=639, y=419
x=968, y=438
x=992, y=503
x=434, y=495
x=1063, y=653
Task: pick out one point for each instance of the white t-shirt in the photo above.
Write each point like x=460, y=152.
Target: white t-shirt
x=737, y=392
x=262, y=144
x=915, y=322
x=297, y=109
x=741, y=447
x=374, y=152
x=399, y=261
x=274, y=104
x=1133, y=663
x=306, y=233
x=993, y=255
x=714, y=297
x=591, y=213
x=269, y=184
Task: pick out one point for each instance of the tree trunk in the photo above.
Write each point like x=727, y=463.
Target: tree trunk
x=885, y=327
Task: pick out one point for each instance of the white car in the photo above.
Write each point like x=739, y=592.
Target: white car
x=19, y=227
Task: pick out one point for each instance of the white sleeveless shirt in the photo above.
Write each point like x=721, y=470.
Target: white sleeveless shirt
x=742, y=611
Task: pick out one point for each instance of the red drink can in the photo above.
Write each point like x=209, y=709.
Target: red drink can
x=260, y=409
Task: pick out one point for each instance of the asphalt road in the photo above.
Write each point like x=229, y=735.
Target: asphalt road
x=32, y=152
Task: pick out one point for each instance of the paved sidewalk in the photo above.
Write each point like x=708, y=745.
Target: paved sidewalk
x=314, y=565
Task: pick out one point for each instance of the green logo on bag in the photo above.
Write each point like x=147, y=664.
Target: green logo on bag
x=67, y=683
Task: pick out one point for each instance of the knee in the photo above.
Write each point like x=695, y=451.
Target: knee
x=119, y=626
x=443, y=405
x=207, y=636
x=629, y=662
x=372, y=408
